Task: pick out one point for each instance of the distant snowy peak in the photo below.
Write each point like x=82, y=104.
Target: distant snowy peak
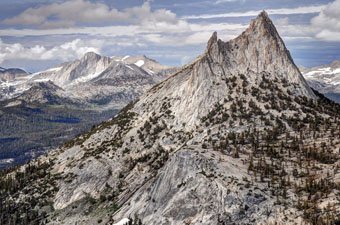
x=92, y=78
x=329, y=74
x=151, y=66
x=75, y=71
x=91, y=65
x=323, y=71
x=325, y=79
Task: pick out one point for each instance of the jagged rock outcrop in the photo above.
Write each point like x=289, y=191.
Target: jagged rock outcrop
x=230, y=138
x=258, y=49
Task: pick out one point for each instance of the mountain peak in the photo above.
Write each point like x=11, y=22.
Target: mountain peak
x=263, y=24
x=212, y=40
x=259, y=49
x=263, y=14
x=90, y=56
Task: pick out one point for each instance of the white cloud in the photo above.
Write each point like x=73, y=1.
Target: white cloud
x=226, y=1
x=157, y=33
x=328, y=22
x=75, y=12
x=282, y=11
x=64, y=52
x=328, y=35
x=129, y=30
x=282, y=21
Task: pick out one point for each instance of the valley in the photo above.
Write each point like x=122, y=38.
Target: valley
x=41, y=111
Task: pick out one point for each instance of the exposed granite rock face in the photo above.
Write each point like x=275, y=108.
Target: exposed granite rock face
x=258, y=49
x=199, y=187
x=257, y=52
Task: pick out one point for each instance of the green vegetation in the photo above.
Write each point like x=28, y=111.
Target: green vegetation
x=35, y=185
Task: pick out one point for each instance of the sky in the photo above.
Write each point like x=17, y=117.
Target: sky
x=39, y=34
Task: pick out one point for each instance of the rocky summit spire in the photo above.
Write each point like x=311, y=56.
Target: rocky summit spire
x=262, y=27
x=258, y=52
x=212, y=40
x=258, y=49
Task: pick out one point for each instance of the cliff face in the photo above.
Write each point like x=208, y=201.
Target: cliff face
x=257, y=52
x=259, y=49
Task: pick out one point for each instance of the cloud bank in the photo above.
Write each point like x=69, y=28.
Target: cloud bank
x=282, y=11
x=64, y=52
x=328, y=22
x=78, y=12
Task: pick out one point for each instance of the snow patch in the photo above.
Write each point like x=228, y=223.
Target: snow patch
x=53, y=69
x=11, y=104
x=323, y=71
x=150, y=71
x=129, y=67
x=139, y=63
x=125, y=57
x=88, y=77
x=42, y=80
x=6, y=161
x=318, y=71
x=46, y=71
x=122, y=222
x=336, y=71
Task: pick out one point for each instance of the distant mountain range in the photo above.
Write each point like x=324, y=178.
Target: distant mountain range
x=42, y=110
x=94, y=80
x=325, y=79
